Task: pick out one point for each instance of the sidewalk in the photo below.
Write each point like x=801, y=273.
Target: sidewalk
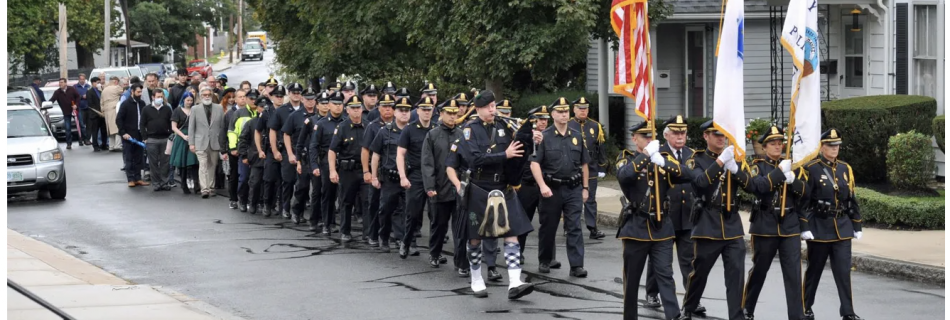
x=223, y=64
x=86, y=292
x=914, y=255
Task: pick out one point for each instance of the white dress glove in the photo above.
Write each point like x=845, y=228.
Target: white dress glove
x=652, y=148
x=732, y=166
x=785, y=165
x=727, y=154
x=789, y=177
x=807, y=235
x=657, y=158
x=857, y=235
x=601, y=175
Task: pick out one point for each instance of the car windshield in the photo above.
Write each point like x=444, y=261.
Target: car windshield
x=252, y=46
x=25, y=123
x=112, y=73
x=153, y=68
x=136, y=72
x=197, y=64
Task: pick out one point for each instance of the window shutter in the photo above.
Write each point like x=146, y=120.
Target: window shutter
x=901, y=42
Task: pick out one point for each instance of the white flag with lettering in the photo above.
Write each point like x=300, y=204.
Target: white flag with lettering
x=800, y=39
x=728, y=103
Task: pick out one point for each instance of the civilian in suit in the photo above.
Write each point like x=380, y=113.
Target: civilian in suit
x=205, y=127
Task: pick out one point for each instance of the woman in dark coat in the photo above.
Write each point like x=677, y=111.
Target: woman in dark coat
x=181, y=157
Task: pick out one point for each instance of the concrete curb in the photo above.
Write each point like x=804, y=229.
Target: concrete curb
x=866, y=263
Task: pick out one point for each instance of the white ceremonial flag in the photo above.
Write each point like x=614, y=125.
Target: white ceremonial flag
x=728, y=102
x=800, y=38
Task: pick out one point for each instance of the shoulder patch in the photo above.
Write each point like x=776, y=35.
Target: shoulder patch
x=755, y=170
x=621, y=163
x=691, y=163
x=314, y=127
x=336, y=130
x=467, y=132
x=454, y=148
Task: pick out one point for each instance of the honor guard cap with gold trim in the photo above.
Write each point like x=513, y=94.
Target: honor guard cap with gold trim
x=676, y=123
x=354, y=102
x=295, y=87
x=451, y=106
x=425, y=104
x=484, y=98
x=324, y=97
x=463, y=99
x=335, y=86
x=503, y=106
x=539, y=113
x=831, y=137
x=370, y=91
x=336, y=98
x=270, y=81
x=708, y=127
x=774, y=133
x=403, y=103
x=309, y=94
x=645, y=128
x=560, y=104
x=430, y=89
x=389, y=88
x=581, y=103
x=387, y=100
x=349, y=86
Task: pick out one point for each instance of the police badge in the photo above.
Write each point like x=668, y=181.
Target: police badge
x=574, y=141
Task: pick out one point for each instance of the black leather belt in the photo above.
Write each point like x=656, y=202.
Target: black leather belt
x=570, y=182
x=494, y=177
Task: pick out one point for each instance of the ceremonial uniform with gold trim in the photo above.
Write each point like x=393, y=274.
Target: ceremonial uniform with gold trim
x=592, y=133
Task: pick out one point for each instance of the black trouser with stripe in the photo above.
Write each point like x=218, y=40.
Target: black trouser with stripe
x=818, y=254
x=789, y=251
x=706, y=253
x=635, y=255
x=684, y=255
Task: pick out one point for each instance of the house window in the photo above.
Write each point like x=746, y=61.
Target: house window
x=854, y=53
x=925, y=50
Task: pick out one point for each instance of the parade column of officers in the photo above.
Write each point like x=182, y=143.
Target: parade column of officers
x=383, y=158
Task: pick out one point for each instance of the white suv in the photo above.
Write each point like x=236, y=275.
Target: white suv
x=34, y=159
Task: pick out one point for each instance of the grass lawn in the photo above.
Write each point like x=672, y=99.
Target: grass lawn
x=941, y=198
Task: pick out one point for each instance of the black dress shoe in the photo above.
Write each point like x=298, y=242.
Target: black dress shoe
x=346, y=238
x=403, y=251
x=413, y=250
x=493, y=274
x=685, y=316
x=295, y=218
x=597, y=234
x=285, y=214
x=699, y=308
x=373, y=243
x=555, y=264
x=252, y=209
x=652, y=302
x=578, y=272
x=326, y=232
x=809, y=315
x=267, y=212
x=853, y=317
x=443, y=260
x=384, y=247
x=434, y=262
x=242, y=207
x=233, y=205
x=69, y=147
x=313, y=226
x=463, y=272
x=544, y=267
x=520, y=291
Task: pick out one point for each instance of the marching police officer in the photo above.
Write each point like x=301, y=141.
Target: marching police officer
x=717, y=226
x=370, y=97
x=435, y=148
x=291, y=129
x=409, y=164
x=495, y=150
x=272, y=174
x=833, y=219
x=592, y=134
x=385, y=176
x=318, y=149
x=288, y=161
x=503, y=108
x=646, y=175
x=349, y=90
x=315, y=219
x=334, y=87
x=559, y=165
x=389, y=88
x=429, y=91
x=529, y=194
x=273, y=100
x=370, y=193
x=252, y=155
x=344, y=161
x=681, y=202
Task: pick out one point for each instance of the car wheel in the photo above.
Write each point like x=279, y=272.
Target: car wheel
x=58, y=191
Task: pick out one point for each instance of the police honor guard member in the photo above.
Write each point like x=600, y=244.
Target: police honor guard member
x=344, y=161
x=681, y=201
x=495, y=151
x=272, y=174
x=254, y=155
x=774, y=230
x=647, y=177
x=717, y=226
x=370, y=98
x=504, y=108
x=385, y=176
x=438, y=188
x=592, y=134
x=288, y=164
x=529, y=194
x=409, y=164
x=334, y=87
x=559, y=165
x=833, y=219
x=348, y=90
x=241, y=117
x=295, y=123
x=318, y=149
x=371, y=194
x=303, y=143
x=428, y=91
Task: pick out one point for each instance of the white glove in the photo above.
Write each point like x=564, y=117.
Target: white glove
x=652, y=148
x=807, y=235
x=727, y=154
x=657, y=158
x=601, y=175
x=789, y=177
x=857, y=235
x=785, y=165
x=732, y=166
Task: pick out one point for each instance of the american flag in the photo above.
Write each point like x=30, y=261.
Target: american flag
x=633, y=70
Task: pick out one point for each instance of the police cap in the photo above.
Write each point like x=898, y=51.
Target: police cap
x=831, y=137
x=676, y=123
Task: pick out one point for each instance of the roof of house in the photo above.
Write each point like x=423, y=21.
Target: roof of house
x=715, y=6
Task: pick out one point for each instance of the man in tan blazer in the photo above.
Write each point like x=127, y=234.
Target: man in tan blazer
x=111, y=93
x=204, y=137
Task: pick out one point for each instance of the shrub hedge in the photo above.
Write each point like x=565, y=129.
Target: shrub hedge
x=910, y=161
x=927, y=213
x=866, y=124
x=939, y=131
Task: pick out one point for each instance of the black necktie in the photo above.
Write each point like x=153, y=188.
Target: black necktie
x=679, y=154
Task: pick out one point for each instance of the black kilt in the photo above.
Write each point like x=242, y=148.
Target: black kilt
x=478, y=200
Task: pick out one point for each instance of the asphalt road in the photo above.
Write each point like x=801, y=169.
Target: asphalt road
x=270, y=269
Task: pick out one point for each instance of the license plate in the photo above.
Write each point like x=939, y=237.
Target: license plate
x=14, y=176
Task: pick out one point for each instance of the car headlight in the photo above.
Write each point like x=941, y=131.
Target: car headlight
x=52, y=155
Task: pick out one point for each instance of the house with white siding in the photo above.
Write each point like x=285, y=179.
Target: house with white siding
x=895, y=47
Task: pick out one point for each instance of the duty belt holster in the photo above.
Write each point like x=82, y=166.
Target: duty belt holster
x=346, y=165
x=391, y=175
x=571, y=182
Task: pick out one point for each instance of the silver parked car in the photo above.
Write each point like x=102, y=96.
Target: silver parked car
x=34, y=160
x=252, y=50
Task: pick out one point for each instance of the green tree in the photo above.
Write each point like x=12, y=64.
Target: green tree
x=85, y=21
x=30, y=35
x=171, y=24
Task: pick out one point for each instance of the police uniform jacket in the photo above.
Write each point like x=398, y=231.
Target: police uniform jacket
x=261, y=127
x=371, y=115
x=346, y=141
x=561, y=156
x=372, y=129
x=681, y=195
x=454, y=160
x=303, y=139
x=716, y=187
x=385, y=144
x=276, y=121
x=245, y=145
x=411, y=138
x=320, y=139
x=435, y=148
x=593, y=138
x=294, y=124
x=483, y=146
x=639, y=180
x=767, y=219
x=831, y=182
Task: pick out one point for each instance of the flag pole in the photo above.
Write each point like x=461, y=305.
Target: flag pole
x=652, y=102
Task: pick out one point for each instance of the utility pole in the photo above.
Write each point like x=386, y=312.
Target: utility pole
x=229, y=39
x=62, y=41
x=107, y=42
x=240, y=26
